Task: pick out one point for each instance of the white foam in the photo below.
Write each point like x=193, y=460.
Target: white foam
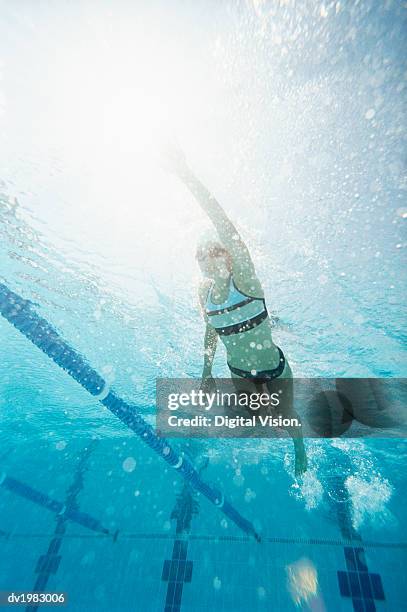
x=370, y=497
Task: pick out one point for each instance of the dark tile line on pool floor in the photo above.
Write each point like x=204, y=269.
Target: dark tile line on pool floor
x=48, y=564
x=178, y=570
x=357, y=582
x=124, y=535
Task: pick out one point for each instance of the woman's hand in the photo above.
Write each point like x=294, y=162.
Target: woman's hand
x=174, y=160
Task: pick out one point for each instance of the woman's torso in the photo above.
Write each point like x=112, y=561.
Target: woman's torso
x=249, y=347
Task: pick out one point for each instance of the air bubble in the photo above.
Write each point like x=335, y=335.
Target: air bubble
x=217, y=583
x=129, y=464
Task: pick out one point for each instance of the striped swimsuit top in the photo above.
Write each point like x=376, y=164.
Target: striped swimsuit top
x=239, y=313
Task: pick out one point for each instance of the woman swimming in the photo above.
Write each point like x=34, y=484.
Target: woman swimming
x=233, y=305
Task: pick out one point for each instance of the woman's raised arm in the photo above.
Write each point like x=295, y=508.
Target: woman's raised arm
x=226, y=230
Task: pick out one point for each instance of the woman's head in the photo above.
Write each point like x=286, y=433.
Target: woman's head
x=214, y=259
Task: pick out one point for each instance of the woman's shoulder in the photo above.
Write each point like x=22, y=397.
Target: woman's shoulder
x=248, y=284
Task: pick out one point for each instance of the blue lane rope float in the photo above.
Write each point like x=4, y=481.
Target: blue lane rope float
x=21, y=314
x=42, y=499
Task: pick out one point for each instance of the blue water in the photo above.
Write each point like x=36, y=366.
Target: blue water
x=293, y=114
